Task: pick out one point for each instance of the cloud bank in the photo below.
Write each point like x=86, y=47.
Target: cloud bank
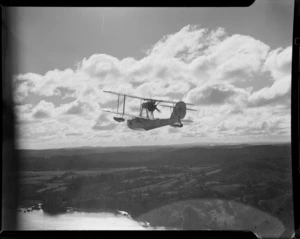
x=239, y=85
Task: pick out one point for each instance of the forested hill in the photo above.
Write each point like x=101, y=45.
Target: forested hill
x=116, y=157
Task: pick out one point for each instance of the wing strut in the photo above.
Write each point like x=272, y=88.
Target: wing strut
x=118, y=103
x=141, y=108
x=124, y=105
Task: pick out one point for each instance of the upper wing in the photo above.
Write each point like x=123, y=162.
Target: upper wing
x=131, y=96
x=142, y=98
x=115, y=112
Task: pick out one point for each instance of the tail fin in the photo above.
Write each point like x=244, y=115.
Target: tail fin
x=179, y=111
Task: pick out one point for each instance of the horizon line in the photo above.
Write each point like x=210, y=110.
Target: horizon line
x=164, y=145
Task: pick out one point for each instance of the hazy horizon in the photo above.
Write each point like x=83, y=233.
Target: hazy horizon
x=168, y=145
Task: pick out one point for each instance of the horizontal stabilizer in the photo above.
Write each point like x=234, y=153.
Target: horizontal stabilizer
x=170, y=106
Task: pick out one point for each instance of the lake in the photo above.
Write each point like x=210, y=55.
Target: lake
x=39, y=220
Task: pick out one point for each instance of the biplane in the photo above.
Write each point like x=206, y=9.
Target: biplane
x=147, y=107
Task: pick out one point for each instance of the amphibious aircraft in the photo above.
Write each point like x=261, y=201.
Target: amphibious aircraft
x=149, y=105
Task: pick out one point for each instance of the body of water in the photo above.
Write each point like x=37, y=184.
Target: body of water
x=39, y=220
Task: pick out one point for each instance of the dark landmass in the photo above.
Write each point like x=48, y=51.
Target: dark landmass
x=117, y=157
x=152, y=184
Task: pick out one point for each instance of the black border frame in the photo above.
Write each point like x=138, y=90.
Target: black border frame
x=9, y=166
x=295, y=117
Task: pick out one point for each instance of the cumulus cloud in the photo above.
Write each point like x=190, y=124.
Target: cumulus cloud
x=239, y=52
x=206, y=67
x=64, y=92
x=98, y=126
x=278, y=62
x=78, y=108
x=185, y=44
x=263, y=128
x=173, y=130
x=222, y=127
x=278, y=93
x=43, y=110
x=41, y=114
x=103, y=123
x=235, y=58
x=73, y=134
x=101, y=66
x=23, y=84
x=214, y=94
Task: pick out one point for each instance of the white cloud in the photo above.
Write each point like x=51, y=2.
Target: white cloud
x=207, y=68
x=109, y=126
x=101, y=66
x=78, y=108
x=22, y=113
x=103, y=123
x=234, y=59
x=216, y=94
x=278, y=62
x=23, y=84
x=183, y=44
x=239, y=52
x=278, y=93
x=43, y=110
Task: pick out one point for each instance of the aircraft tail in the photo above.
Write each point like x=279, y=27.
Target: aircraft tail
x=179, y=111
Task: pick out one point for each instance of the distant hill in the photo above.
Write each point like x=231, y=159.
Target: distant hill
x=116, y=157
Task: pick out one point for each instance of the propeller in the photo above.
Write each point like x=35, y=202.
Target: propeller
x=155, y=107
x=151, y=106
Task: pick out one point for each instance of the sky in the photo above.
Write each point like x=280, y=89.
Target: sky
x=233, y=64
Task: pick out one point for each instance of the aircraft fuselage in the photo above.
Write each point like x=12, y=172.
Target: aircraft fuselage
x=148, y=124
